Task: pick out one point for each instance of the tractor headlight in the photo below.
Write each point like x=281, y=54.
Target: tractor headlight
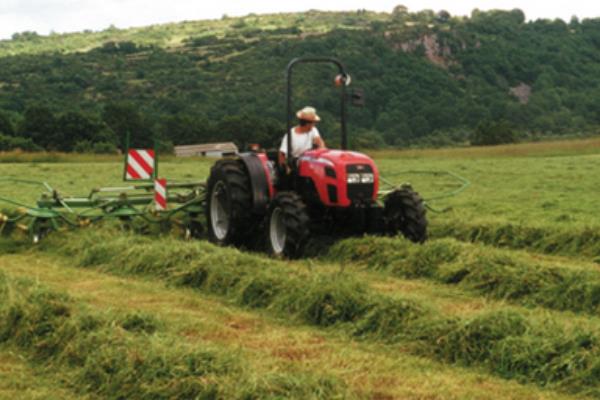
x=366, y=178
x=353, y=178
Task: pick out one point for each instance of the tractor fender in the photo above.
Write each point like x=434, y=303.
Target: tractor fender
x=260, y=180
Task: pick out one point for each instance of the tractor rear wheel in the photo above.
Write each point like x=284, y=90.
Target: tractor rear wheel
x=229, y=204
x=405, y=212
x=287, y=226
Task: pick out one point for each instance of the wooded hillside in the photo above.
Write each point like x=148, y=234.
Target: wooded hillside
x=430, y=79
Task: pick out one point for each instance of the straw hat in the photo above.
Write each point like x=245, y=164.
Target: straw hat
x=308, y=114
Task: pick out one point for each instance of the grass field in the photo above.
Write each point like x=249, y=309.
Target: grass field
x=501, y=303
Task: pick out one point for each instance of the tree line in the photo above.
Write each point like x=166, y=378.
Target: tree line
x=39, y=128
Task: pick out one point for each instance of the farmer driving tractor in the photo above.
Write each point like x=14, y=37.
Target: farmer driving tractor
x=305, y=136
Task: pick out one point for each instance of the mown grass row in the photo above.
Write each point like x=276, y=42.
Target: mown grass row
x=507, y=343
x=131, y=356
x=576, y=241
x=497, y=274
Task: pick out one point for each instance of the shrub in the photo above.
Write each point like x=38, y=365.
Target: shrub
x=8, y=143
x=104, y=148
x=83, y=147
x=492, y=133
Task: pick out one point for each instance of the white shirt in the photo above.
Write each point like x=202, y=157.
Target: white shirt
x=300, y=141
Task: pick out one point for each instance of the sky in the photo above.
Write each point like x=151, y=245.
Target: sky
x=44, y=16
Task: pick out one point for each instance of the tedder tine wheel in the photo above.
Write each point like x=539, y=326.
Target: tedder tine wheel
x=229, y=204
x=287, y=226
x=405, y=213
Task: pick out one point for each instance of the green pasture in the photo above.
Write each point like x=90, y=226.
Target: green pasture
x=557, y=191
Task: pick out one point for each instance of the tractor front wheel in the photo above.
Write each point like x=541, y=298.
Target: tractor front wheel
x=405, y=212
x=287, y=226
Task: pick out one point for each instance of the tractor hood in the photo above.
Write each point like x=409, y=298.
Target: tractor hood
x=337, y=157
x=341, y=178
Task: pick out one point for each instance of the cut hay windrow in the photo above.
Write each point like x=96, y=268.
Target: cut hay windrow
x=507, y=343
x=489, y=272
x=578, y=242
x=322, y=299
x=130, y=356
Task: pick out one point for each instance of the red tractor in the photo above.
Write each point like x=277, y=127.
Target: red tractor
x=253, y=196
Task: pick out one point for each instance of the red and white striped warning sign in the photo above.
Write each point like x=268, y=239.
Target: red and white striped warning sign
x=160, y=194
x=140, y=164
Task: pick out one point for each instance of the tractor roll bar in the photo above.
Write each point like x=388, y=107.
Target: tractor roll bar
x=289, y=68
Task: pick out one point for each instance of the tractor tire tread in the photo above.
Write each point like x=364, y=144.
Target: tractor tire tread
x=407, y=205
x=297, y=222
